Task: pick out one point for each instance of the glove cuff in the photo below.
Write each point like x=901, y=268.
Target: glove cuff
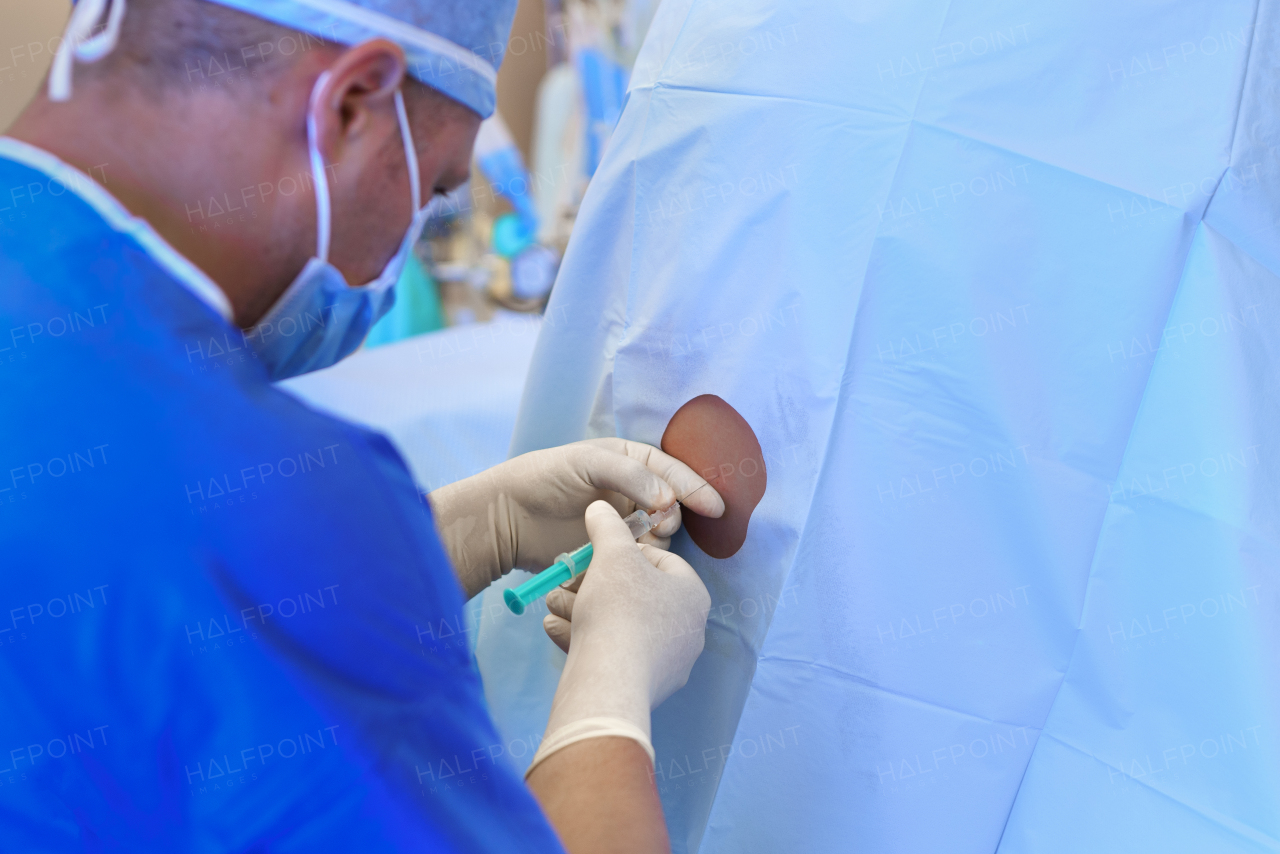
x=590, y=728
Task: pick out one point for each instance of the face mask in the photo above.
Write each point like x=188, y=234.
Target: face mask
x=320, y=319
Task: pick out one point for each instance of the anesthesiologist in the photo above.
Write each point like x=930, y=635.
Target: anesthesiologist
x=228, y=622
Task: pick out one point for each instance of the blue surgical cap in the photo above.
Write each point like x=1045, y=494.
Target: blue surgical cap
x=454, y=46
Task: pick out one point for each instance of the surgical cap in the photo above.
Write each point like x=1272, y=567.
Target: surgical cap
x=454, y=46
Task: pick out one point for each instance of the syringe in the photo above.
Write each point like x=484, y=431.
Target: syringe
x=572, y=564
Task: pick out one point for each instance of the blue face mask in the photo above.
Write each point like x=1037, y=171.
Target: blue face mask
x=320, y=319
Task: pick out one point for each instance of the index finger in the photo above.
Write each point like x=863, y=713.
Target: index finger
x=692, y=490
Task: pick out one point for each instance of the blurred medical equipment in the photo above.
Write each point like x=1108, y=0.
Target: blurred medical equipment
x=496, y=243
x=594, y=44
x=572, y=564
x=479, y=253
x=504, y=169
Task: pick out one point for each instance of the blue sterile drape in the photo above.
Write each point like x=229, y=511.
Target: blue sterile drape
x=996, y=284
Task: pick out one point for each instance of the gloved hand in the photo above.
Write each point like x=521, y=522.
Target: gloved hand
x=526, y=511
x=637, y=623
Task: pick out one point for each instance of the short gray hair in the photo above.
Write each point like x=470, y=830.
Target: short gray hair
x=195, y=44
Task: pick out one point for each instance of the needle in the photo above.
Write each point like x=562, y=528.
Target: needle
x=691, y=494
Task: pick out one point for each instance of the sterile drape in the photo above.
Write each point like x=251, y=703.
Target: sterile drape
x=997, y=285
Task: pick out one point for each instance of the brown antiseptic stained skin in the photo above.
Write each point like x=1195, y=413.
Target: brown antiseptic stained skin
x=710, y=437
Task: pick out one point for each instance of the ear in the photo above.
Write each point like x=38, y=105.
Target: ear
x=360, y=90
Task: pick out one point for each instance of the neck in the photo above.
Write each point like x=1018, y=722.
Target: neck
x=210, y=174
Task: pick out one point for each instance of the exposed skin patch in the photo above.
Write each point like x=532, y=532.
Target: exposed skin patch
x=709, y=436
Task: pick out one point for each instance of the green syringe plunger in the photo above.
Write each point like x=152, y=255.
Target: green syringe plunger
x=572, y=564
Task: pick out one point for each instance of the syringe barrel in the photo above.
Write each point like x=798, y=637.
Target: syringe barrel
x=641, y=523
x=566, y=567
x=572, y=564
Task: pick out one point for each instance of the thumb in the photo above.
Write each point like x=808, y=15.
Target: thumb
x=669, y=562
x=605, y=527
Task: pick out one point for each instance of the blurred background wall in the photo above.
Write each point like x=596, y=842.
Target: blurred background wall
x=29, y=31
x=522, y=70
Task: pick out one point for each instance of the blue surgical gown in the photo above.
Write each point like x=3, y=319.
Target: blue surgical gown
x=226, y=621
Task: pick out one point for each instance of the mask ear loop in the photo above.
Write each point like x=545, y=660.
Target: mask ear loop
x=410, y=155
x=319, y=176
x=78, y=43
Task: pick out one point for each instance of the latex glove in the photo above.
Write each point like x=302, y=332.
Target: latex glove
x=526, y=511
x=636, y=625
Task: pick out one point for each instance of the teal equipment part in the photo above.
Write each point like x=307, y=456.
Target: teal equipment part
x=572, y=564
x=512, y=234
x=417, y=308
x=566, y=568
